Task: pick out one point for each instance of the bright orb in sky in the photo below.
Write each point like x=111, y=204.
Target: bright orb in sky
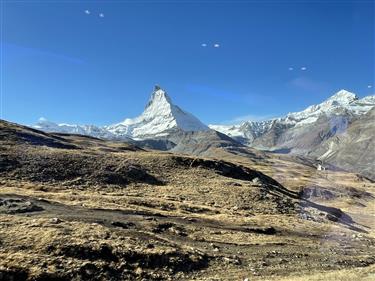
x=204, y=45
x=87, y=12
x=303, y=68
x=216, y=45
x=369, y=86
x=101, y=15
x=290, y=68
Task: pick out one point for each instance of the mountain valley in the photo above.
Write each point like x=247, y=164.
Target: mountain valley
x=312, y=133
x=75, y=207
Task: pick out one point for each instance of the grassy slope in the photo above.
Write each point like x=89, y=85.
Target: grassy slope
x=203, y=219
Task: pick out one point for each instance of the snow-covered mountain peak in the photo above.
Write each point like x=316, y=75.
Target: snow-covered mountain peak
x=159, y=97
x=159, y=118
x=160, y=104
x=343, y=97
x=339, y=102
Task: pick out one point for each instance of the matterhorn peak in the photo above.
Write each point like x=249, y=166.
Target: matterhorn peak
x=159, y=103
x=157, y=88
x=159, y=97
x=159, y=117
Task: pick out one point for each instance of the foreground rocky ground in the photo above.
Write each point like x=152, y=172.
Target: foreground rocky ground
x=78, y=208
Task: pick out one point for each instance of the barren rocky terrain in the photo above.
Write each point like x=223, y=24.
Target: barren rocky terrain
x=79, y=208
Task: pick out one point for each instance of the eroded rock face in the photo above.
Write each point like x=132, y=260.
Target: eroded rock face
x=354, y=149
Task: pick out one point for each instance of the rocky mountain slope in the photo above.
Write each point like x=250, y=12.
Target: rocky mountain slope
x=203, y=143
x=79, y=208
x=301, y=131
x=337, y=131
x=352, y=149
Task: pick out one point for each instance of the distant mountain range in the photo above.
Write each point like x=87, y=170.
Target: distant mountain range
x=160, y=118
x=298, y=131
x=329, y=131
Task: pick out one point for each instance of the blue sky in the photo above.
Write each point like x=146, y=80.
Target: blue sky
x=63, y=64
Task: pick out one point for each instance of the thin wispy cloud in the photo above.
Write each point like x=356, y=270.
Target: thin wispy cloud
x=13, y=51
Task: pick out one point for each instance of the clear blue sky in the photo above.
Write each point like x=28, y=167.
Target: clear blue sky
x=66, y=65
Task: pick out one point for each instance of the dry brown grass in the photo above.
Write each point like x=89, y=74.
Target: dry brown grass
x=192, y=215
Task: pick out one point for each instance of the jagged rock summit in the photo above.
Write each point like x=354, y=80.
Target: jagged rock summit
x=160, y=118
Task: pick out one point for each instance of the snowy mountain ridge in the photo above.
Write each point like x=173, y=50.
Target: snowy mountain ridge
x=343, y=102
x=91, y=130
x=159, y=118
